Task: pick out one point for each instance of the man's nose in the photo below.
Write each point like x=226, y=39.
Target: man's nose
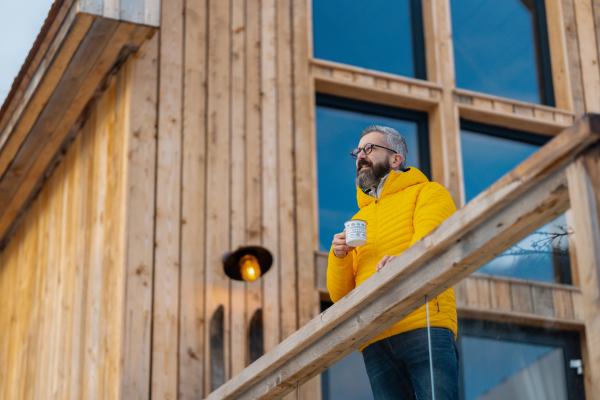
x=361, y=155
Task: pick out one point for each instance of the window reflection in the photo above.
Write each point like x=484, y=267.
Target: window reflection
x=338, y=132
x=543, y=255
x=381, y=35
x=502, y=369
x=501, y=48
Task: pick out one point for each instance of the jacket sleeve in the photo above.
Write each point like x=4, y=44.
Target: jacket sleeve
x=434, y=205
x=340, y=275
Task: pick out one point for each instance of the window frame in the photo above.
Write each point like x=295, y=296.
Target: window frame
x=419, y=117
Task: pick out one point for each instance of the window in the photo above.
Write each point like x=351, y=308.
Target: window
x=339, y=125
x=335, y=381
x=381, y=35
x=501, y=48
x=519, y=362
x=488, y=153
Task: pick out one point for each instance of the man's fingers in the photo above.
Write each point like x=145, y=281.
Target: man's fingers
x=384, y=261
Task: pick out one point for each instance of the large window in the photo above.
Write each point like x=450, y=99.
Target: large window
x=488, y=153
x=501, y=48
x=378, y=34
x=501, y=361
x=340, y=123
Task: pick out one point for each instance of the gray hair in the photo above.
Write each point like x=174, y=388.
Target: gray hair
x=393, y=139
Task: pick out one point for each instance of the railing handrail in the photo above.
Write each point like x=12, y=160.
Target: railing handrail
x=531, y=194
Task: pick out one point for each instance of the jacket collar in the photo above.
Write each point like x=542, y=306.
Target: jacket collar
x=395, y=182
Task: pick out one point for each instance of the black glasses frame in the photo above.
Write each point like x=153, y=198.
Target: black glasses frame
x=368, y=149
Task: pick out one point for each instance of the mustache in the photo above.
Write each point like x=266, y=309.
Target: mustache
x=362, y=163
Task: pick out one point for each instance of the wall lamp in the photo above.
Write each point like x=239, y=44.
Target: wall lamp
x=247, y=263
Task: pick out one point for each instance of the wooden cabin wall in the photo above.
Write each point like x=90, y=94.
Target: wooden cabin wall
x=67, y=298
x=234, y=120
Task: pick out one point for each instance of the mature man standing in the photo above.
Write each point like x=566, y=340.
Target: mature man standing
x=400, y=206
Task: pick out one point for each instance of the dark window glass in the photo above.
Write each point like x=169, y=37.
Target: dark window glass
x=507, y=361
x=501, y=48
x=487, y=156
x=381, y=35
x=347, y=379
x=340, y=123
x=217, y=349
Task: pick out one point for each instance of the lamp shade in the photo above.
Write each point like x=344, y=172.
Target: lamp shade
x=249, y=256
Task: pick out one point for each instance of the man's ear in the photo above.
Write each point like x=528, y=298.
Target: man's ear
x=396, y=163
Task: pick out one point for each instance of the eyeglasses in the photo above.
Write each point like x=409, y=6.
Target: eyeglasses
x=368, y=149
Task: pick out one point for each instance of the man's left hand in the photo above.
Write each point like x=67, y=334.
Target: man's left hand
x=384, y=261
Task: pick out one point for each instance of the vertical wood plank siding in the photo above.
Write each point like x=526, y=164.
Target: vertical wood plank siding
x=63, y=275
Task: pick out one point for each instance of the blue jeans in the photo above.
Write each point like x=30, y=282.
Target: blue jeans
x=398, y=366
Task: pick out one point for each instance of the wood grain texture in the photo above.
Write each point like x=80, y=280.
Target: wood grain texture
x=66, y=261
x=167, y=234
x=253, y=204
x=193, y=204
x=139, y=130
x=574, y=60
x=588, y=53
x=239, y=328
x=270, y=172
x=218, y=239
x=444, y=124
x=584, y=192
x=561, y=80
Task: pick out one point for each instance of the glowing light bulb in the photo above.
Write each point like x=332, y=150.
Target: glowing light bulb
x=249, y=268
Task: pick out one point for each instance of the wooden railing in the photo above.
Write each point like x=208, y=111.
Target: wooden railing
x=529, y=196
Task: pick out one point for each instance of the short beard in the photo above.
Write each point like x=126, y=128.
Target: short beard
x=371, y=177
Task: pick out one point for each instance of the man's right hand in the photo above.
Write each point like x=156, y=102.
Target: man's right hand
x=340, y=248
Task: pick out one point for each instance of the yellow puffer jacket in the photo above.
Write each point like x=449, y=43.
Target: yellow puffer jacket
x=408, y=208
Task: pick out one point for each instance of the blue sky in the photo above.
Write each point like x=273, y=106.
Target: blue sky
x=20, y=23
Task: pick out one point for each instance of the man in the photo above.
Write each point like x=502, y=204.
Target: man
x=400, y=206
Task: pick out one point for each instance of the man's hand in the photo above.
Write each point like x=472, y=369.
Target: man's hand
x=340, y=248
x=384, y=261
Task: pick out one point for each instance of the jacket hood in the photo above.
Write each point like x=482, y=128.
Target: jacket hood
x=395, y=182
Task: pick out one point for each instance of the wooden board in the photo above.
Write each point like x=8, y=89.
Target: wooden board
x=139, y=131
x=193, y=204
x=270, y=172
x=167, y=257
x=584, y=192
x=588, y=53
x=218, y=239
x=239, y=318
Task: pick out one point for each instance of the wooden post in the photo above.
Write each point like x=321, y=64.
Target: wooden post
x=584, y=192
x=444, y=124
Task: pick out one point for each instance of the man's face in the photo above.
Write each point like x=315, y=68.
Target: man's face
x=370, y=168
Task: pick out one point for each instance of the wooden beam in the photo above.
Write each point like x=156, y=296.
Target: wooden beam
x=588, y=52
x=305, y=178
x=584, y=191
x=37, y=55
x=559, y=61
x=574, y=61
x=444, y=123
x=510, y=113
x=239, y=319
x=218, y=175
x=192, y=354
x=524, y=199
x=379, y=87
x=140, y=128
x=42, y=85
x=167, y=234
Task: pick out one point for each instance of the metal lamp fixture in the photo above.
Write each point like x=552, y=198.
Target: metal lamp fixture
x=247, y=263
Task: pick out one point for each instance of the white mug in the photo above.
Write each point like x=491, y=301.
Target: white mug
x=356, y=232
